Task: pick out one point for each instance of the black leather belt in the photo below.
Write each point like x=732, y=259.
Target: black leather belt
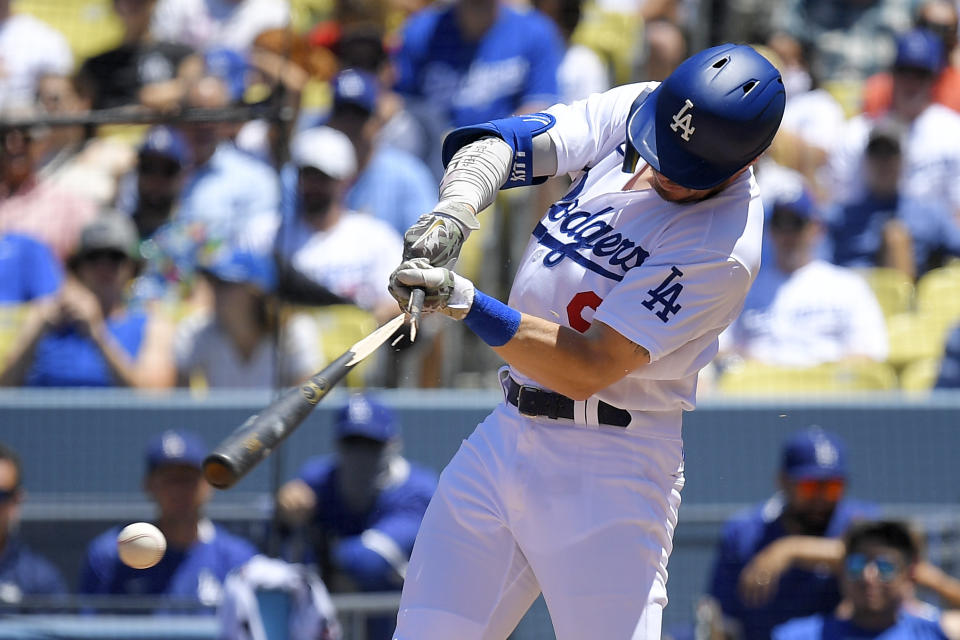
x=531, y=401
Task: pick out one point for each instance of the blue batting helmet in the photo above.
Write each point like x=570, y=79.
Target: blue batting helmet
x=709, y=119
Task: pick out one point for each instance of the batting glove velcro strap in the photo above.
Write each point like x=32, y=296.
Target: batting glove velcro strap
x=445, y=291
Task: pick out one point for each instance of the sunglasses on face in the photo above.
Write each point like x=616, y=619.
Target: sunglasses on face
x=6, y=495
x=105, y=255
x=943, y=30
x=856, y=565
x=787, y=220
x=159, y=167
x=830, y=490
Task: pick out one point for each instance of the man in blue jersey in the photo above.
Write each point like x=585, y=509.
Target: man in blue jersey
x=876, y=581
x=199, y=553
x=365, y=503
x=23, y=573
x=472, y=61
x=770, y=563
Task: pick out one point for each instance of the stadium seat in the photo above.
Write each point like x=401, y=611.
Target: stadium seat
x=754, y=378
x=339, y=327
x=893, y=288
x=938, y=294
x=614, y=36
x=90, y=26
x=11, y=318
x=914, y=336
x=920, y=375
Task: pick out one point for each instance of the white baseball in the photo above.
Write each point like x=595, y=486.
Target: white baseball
x=141, y=545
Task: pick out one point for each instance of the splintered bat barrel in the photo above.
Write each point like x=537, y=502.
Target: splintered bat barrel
x=253, y=441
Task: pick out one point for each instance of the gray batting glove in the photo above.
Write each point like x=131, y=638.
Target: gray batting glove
x=445, y=291
x=439, y=235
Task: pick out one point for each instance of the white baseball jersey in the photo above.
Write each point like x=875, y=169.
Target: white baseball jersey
x=819, y=313
x=931, y=158
x=669, y=277
x=353, y=259
x=580, y=511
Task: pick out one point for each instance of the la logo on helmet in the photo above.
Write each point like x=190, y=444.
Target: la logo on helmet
x=683, y=121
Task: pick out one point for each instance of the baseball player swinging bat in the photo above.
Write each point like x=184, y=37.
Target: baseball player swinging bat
x=261, y=433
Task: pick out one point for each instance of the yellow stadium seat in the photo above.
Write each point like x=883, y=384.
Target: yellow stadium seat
x=938, y=294
x=339, y=327
x=754, y=378
x=11, y=320
x=615, y=36
x=892, y=287
x=914, y=336
x=90, y=26
x=920, y=375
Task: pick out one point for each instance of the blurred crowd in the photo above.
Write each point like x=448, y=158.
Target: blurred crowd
x=220, y=250
x=345, y=523
x=811, y=562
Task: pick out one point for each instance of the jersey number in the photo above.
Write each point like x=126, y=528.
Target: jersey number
x=576, y=306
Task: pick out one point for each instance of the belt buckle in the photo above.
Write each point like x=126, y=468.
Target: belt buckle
x=529, y=407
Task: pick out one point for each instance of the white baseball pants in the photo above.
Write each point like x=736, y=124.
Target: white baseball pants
x=584, y=513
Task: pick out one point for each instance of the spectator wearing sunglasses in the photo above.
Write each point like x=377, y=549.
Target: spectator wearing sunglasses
x=30, y=205
x=87, y=335
x=151, y=193
x=769, y=565
x=877, y=580
x=23, y=573
x=803, y=311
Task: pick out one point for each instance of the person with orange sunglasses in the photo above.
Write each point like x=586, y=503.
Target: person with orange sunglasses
x=770, y=565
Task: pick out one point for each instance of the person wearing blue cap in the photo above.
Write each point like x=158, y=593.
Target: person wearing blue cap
x=803, y=311
x=364, y=503
x=199, y=553
x=391, y=184
x=235, y=345
x=767, y=566
x=931, y=157
x=162, y=161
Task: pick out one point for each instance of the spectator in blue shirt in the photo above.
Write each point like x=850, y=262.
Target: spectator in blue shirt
x=391, y=184
x=365, y=503
x=29, y=268
x=476, y=60
x=949, y=377
x=199, y=553
x=887, y=227
x=88, y=335
x=23, y=573
x=768, y=568
x=226, y=188
x=877, y=582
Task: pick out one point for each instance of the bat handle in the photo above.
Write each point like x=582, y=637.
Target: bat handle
x=415, y=308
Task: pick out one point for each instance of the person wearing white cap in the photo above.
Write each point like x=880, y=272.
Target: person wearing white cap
x=350, y=253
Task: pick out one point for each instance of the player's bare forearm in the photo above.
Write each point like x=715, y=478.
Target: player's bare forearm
x=568, y=362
